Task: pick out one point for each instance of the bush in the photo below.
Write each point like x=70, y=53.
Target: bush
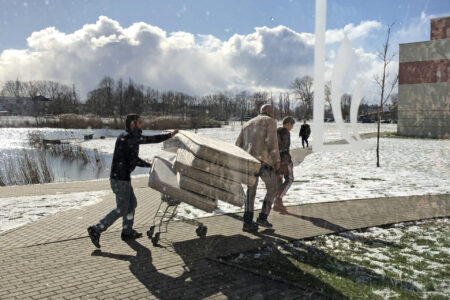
x=172, y=122
x=74, y=121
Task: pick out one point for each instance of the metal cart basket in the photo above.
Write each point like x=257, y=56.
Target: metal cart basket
x=166, y=212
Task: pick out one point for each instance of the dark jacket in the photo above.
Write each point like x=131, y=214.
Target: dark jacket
x=126, y=153
x=284, y=142
x=305, y=131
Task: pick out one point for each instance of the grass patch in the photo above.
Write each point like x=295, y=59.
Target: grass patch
x=378, y=263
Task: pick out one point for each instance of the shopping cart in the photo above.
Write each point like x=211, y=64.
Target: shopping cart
x=166, y=212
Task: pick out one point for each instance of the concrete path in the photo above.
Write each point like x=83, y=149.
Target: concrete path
x=53, y=257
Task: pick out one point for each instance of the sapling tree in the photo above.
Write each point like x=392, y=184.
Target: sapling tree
x=386, y=86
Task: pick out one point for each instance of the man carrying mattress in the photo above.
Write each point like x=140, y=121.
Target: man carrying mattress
x=259, y=138
x=125, y=160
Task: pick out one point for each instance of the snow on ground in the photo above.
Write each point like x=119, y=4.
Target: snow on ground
x=383, y=251
x=18, y=211
x=408, y=167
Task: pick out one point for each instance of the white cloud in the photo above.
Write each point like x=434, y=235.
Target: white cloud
x=416, y=31
x=353, y=32
x=268, y=58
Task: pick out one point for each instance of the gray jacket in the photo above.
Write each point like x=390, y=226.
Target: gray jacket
x=259, y=138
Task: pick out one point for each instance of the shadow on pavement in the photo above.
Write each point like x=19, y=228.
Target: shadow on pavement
x=201, y=277
x=319, y=259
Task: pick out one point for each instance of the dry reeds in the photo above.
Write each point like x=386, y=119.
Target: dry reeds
x=68, y=151
x=26, y=169
x=73, y=121
x=171, y=122
x=35, y=139
x=31, y=167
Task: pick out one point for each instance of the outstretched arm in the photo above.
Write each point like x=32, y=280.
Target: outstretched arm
x=152, y=139
x=158, y=138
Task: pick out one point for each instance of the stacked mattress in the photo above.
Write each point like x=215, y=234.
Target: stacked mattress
x=205, y=170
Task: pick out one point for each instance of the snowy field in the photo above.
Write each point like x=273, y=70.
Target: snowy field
x=408, y=167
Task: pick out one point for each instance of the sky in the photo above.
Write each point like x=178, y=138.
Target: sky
x=200, y=47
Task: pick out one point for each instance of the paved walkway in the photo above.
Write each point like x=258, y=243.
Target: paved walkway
x=54, y=258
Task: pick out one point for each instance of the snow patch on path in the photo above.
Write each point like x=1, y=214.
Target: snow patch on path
x=18, y=211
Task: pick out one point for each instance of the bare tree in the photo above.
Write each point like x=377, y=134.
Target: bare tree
x=280, y=105
x=385, y=88
x=287, y=105
x=31, y=89
x=13, y=88
x=327, y=90
x=346, y=101
x=303, y=88
x=328, y=93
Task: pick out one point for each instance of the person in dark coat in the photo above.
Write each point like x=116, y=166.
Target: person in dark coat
x=305, y=132
x=286, y=171
x=125, y=160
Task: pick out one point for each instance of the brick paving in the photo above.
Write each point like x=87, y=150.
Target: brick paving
x=53, y=258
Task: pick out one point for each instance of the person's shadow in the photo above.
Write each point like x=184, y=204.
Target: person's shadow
x=319, y=222
x=202, y=277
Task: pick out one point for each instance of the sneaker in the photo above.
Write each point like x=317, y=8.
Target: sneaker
x=279, y=208
x=263, y=223
x=250, y=227
x=131, y=236
x=95, y=236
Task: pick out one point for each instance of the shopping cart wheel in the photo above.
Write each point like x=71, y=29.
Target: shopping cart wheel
x=201, y=230
x=155, y=239
x=150, y=231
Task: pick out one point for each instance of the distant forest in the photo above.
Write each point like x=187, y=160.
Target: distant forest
x=115, y=98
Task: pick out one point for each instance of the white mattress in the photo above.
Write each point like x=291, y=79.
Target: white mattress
x=208, y=178
x=215, y=151
x=210, y=191
x=186, y=159
x=163, y=178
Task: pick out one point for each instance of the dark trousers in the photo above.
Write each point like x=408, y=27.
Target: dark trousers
x=283, y=186
x=304, y=139
x=269, y=177
x=125, y=206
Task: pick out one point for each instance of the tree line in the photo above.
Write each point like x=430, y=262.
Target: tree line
x=117, y=98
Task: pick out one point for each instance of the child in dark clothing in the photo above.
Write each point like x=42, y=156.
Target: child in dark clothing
x=287, y=167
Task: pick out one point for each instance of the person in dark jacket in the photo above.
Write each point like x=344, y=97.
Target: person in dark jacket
x=286, y=171
x=305, y=132
x=125, y=160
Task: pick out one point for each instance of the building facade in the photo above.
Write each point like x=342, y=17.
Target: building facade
x=424, y=84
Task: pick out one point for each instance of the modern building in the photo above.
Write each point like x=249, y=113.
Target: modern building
x=424, y=84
